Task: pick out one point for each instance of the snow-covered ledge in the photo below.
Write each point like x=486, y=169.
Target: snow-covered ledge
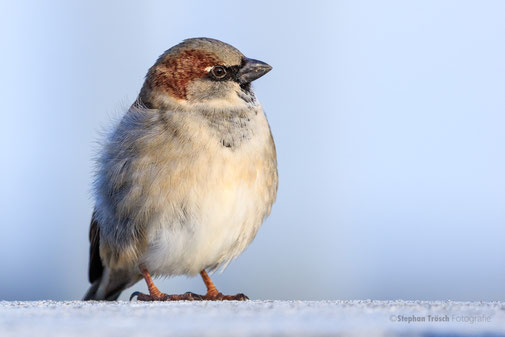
x=252, y=318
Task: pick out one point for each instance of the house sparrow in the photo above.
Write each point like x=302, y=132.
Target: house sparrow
x=186, y=178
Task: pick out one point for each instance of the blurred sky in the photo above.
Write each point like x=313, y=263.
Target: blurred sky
x=388, y=117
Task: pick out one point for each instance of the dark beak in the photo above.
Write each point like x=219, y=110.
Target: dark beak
x=252, y=70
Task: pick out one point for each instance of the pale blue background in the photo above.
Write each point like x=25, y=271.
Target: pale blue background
x=388, y=118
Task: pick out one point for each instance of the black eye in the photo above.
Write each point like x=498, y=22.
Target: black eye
x=218, y=72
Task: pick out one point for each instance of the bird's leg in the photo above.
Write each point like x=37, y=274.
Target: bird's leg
x=211, y=288
x=156, y=295
x=214, y=295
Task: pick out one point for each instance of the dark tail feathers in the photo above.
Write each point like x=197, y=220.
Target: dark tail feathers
x=106, y=288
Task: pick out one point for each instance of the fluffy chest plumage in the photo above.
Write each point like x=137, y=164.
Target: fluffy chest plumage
x=208, y=194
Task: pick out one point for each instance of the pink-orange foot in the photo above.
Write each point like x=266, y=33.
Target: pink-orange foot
x=214, y=295
x=221, y=297
x=164, y=297
x=188, y=297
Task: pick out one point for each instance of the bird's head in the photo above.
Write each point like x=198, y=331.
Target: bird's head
x=201, y=71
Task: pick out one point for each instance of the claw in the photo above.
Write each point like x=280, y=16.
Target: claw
x=193, y=297
x=241, y=297
x=136, y=293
